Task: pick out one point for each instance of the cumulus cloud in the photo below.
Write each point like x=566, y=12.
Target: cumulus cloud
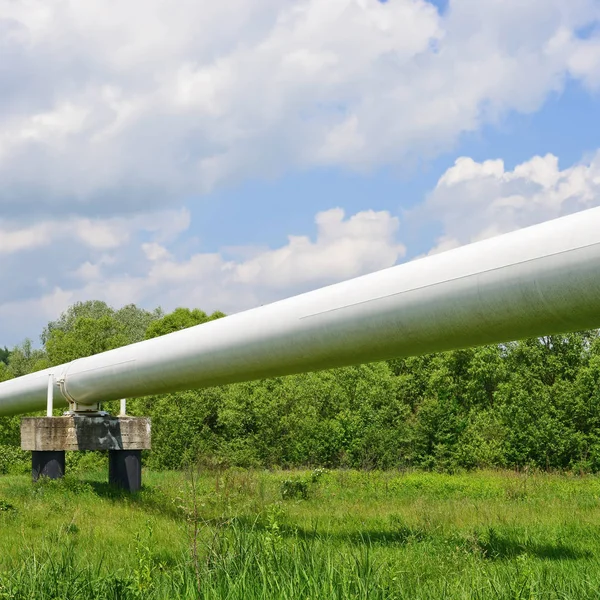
x=103, y=234
x=112, y=110
x=342, y=248
x=38, y=259
x=150, y=275
x=472, y=200
x=114, y=117
x=475, y=200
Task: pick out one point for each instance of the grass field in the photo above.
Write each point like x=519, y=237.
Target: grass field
x=344, y=534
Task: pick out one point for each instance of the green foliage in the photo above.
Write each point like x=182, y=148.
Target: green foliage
x=6, y=507
x=180, y=318
x=13, y=460
x=10, y=430
x=26, y=359
x=533, y=403
x=77, y=463
x=5, y=372
x=294, y=487
x=184, y=426
x=136, y=321
x=362, y=535
x=318, y=474
x=130, y=320
x=86, y=337
x=88, y=328
x=482, y=443
x=301, y=486
x=4, y=355
x=93, y=309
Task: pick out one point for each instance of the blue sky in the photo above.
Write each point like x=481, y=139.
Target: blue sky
x=230, y=154
x=265, y=211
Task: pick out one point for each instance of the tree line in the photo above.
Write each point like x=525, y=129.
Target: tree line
x=533, y=402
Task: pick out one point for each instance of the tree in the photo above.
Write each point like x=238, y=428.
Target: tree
x=92, y=309
x=180, y=318
x=533, y=402
x=25, y=359
x=133, y=321
x=85, y=337
x=4, y=355
x=485, y=372
x=5, y=372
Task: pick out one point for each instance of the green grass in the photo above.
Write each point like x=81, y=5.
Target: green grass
x=355, y=535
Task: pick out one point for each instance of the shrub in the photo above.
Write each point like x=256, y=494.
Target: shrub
x=295, y=487
x=5, y=507
x=13, y=460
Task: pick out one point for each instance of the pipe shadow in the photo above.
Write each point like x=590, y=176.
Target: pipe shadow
x=147, y=498
x=493, y=547
x=496, y=546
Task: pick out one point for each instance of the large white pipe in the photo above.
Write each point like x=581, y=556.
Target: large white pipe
x=536, y=281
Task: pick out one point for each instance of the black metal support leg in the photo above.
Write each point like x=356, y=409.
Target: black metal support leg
x=47, y=463
x=125, y=469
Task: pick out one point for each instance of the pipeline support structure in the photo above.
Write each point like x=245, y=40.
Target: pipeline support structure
x=536, y=281
x=48, y=438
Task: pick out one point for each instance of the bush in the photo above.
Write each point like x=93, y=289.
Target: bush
x=13, y=460
x=85, y=461
x=294, y=488
x=6, y=507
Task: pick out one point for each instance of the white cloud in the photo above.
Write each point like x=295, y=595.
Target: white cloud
x=38, y=310
x=154, y=251
x=475, y=200
x=99, y=234
x=342, y=248
x=471, y=200
x=112, y=117
x=18, y=239
x=88, y=271
x=112, y=109
x=584, y=62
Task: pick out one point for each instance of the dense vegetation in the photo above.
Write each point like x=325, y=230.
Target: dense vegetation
x=356, y=535
x=231, y=532
x=530, y=403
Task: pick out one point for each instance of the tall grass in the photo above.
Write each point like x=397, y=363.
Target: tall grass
x=354, y=535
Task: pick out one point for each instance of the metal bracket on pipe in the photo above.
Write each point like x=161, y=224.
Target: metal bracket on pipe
x=85, y=410
x=77, y=408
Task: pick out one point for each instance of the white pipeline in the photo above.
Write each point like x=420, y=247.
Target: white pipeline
x=535, y=281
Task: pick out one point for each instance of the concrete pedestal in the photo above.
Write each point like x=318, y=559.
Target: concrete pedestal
x=123, y=437
x=49, y=464
x=125, y=469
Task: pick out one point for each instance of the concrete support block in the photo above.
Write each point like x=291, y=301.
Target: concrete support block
x=49, y=464
x=123, y=437
x=125, y=469
x=42, y=434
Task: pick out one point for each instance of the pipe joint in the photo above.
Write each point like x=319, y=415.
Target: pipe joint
x=74, y=406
